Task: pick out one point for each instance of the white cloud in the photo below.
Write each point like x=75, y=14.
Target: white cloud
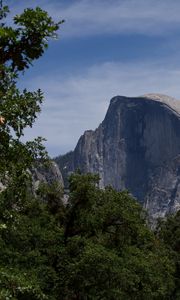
x=120, y=16
x=95, y=17
x=79, y=102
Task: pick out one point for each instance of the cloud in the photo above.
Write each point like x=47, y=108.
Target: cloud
x=96, y=17
x=79, y=101
x=152, y=17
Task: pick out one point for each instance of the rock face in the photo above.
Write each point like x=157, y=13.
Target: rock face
x=42, y=174
x=136, y=147
x=46, y=174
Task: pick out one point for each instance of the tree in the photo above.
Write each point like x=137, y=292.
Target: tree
x=109, y=251
x=22, y=245
x=169, y=232
x=19, y=47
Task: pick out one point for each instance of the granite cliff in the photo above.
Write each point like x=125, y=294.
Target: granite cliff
x=48, y=174
x=136, y=147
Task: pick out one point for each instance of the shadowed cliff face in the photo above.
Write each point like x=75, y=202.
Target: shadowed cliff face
x=137, y=147
x=46, y=174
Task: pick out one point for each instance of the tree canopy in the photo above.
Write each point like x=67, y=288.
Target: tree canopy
x=20, y=45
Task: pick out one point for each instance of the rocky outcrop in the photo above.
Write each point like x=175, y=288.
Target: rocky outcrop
x=49, y=173
x=136, y=147
x=41, y=173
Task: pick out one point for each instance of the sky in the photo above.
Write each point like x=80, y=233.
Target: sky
x=105, y=48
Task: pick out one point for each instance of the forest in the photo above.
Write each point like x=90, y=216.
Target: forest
x=98, y=245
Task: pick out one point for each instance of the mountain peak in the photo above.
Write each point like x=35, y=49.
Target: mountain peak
x=170, y=101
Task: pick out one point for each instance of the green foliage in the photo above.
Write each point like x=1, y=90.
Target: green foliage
x=169, y=233
x=97, y=247
x=20, y=45
x=28, y=232
x=109, y=251
x=30, y=242
x=52, y=194
x=28, y=40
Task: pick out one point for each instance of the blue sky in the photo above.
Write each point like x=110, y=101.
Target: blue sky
x=105, y=48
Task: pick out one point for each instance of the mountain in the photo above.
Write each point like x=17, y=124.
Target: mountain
x=136, y=147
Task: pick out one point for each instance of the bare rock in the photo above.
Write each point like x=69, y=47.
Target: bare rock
x=136, y=147
x=46, y=174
